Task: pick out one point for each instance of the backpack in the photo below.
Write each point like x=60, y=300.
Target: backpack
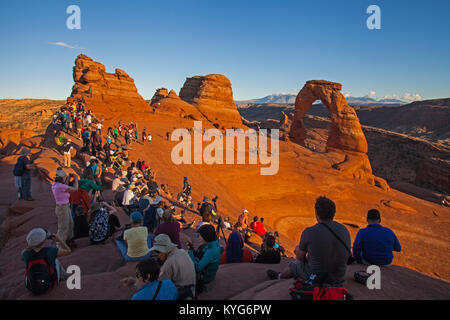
x=40, y=275
x=19, y=168
x=312, y=291
x=150, y=218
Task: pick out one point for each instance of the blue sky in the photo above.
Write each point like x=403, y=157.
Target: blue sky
x=264, y=47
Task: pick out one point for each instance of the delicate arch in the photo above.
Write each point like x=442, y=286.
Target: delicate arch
x=345, y=130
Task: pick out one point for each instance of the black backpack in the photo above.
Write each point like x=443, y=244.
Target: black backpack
x=19, y=168
x=40, y=275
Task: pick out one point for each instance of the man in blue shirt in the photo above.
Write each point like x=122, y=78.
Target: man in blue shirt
x=375, y=243
x=147, y=274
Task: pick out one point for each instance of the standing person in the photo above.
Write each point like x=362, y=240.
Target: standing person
x=67, y=148
x=144, y=135
x=22, y=173
x=186, y=187
x=323, y=250
x=61, y=192
x=374, y=244
x=37, y=280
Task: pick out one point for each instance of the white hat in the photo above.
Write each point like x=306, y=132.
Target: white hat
x=245, y=211
x=61, y=173
x=36, y=237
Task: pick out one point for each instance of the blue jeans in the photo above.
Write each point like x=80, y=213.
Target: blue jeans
x=26, y=186
x=123, y=250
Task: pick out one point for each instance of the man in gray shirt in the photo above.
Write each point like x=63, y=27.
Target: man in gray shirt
x=324, y=248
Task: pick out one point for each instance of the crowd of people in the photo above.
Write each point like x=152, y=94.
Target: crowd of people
x=164, y=270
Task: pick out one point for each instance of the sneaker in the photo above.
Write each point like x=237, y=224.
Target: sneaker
x=273, y=275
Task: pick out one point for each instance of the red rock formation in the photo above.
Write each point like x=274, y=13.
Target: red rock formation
x=105, y=92
x=345, y=135
x=213, y=96
x=345, y=130
x=159, y=95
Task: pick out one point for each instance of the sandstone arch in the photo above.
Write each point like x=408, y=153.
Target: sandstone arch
x=345, y=130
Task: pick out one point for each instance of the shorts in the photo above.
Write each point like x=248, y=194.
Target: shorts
x=300, y=269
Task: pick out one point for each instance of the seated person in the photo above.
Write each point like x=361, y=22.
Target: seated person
x=206, y=219
x=206, y=258
x=100, y=228
x=169, y=227
x=177, y=266
x=258, y=227
x=118, y=196
x=36, y=251
x=374, y=244
x=136, y=240
x=226, y=224
x=80, y=224
x=118, y=181
x=150, y=288
x=269, y=254
x=235, y=251
x=324, y=249
x=242, y=223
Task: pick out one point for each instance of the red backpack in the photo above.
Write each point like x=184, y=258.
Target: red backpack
x=303, y=291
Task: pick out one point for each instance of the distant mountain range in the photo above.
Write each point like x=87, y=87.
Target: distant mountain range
x=290, y=99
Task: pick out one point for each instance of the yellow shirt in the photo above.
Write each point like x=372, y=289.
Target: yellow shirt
x=137, y=242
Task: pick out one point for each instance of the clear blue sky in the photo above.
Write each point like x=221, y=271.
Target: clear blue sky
x=264, y=47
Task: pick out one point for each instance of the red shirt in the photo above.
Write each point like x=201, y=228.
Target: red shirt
x=258, y=227
x=81, y=198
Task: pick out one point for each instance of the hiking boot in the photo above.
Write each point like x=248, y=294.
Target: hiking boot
x=273, y=275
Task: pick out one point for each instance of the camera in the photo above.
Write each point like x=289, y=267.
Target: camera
x=215, y=198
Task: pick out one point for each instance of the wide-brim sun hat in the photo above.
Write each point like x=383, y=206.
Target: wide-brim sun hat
x=162, y=243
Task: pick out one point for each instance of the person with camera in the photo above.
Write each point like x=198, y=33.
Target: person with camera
x=43, y=268
x=206, y=208
x=207, y=257
x=61, y=192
